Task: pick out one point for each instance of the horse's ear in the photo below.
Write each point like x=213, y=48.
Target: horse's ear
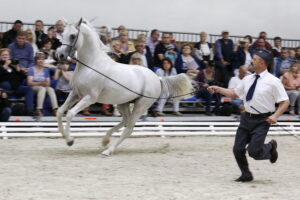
x=79, y=23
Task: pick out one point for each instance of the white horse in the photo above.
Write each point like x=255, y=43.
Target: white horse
x=93, y=87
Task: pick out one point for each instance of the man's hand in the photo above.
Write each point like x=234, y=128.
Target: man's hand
x=272, y=119
x=214, y=89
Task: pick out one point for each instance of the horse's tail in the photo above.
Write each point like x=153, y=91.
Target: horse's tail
x=179, y=87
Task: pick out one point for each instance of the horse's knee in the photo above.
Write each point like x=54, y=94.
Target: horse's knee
x=70, y=115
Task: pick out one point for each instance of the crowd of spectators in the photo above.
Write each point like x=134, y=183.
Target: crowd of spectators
x=29, y=70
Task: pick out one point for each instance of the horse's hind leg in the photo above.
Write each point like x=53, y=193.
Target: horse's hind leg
x=70, y=101
x=83, y=103
x=125, y=112
x=140, y=107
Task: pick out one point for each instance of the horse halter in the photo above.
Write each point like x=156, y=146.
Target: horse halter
x=73, y=45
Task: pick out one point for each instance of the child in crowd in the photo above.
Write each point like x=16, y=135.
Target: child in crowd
x=171, y=53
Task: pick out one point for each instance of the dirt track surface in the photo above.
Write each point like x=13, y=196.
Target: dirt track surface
x=154, y=168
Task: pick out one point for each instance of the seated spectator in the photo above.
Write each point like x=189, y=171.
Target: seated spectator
x=39, y=33
x=11, y=35
x=49, y=53
x=167, y=69
x=153, y=40
x=11, y=79
x=60, y=27
x=260, y=44
x=51, y=34
x=187, y=62
x=282, y=64
x=127, y=45
x=5, y=110
x=161, y=49
x=203, y=49
x=22, y=51
x=234, y=82
x=39, y=79
x=30, y=38
x=144, y=53
x=277, y=47
x=171, y=53
x=263, y=36
x=105, y=39
x=292, y=54
x=63, y=77
x=291, y=82
x=118, y=51
x=242, y=55
x=223, y=57
x=207, y=77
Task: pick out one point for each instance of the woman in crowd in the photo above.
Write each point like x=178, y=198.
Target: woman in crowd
x=39, y=79
x=206, y=78
x=186, y=62
x=167, y=69
x=242, y=55
x=203, y=49
x=30, y=37
x=291, y=83
x=127, y=46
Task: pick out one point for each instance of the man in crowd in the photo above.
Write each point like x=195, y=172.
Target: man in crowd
x=60, y=26
x=10, y=36
x=282, y=64
x=262, y=35
x=39, y=33
x=161, y=48
x=277, y=47
x=153, y=40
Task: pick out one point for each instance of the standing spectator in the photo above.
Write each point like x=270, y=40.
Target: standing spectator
x=223, y=56
x=60, y=26
x=161, y=48
x=5, y=110
x=291, y=83
x=22, y=51
x=11, y=79
x=262, y=35
x=39, y=79
x=127, y=45
x=39, y=33
x=277, y=47
x=144, y=53
x=207, y=77
x=260, y=44
x=153, y=40
x=282, y=64
x=166, y=70
x=51, y=34
x=30, y=38
x=242, y=55
x=187, y=62
x=10, y=36
x=203, y=49
x=234, y=82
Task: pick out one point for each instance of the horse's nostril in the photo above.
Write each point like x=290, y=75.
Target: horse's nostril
x=61, y=56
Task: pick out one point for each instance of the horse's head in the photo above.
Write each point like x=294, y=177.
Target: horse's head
x=71, y=41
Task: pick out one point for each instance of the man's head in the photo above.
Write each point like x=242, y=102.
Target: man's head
x=262, y=59
x=263, y=35
x=155, y=34
x=60, y=26
x=121, y=28
x=166, y=38
x=261, y=43
x=225, y=35
x=51, y=32
x=277, y=41
x=243, y=70
x=39, y=25
x=17, y=25
x=140, y=46
x=203, y=36
x=21, y=38
x=284, y=54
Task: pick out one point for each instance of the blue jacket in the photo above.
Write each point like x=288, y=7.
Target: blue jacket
x=179, y=64
x=278, y=64
x=24, y=55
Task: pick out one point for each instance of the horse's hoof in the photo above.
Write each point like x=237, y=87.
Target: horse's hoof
x=70, y=143
x=105, y=153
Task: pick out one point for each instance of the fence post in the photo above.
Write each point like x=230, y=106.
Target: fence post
x=4, y=132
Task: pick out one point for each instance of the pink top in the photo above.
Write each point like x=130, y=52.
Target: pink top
x=291, y=80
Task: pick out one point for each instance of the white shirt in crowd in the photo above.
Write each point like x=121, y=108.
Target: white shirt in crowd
x=268, y=91
x=248, y=60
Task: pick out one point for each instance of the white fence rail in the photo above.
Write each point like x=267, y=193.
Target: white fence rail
x=98, y=129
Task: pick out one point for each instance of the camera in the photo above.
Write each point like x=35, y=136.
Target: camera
x=14, y=61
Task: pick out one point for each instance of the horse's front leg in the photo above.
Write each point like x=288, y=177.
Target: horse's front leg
x=83, y=103
x=70, y=101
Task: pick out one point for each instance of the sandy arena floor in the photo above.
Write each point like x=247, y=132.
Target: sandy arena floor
x=175, y=168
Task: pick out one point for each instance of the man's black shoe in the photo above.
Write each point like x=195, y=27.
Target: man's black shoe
x=245, y=178
x=274, y=153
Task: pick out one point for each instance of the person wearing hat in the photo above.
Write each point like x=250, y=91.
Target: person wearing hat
x=259, y=91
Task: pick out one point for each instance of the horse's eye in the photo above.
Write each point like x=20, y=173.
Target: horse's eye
x=72, y=37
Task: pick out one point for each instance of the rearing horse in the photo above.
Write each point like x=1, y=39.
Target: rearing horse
x=93, y=87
